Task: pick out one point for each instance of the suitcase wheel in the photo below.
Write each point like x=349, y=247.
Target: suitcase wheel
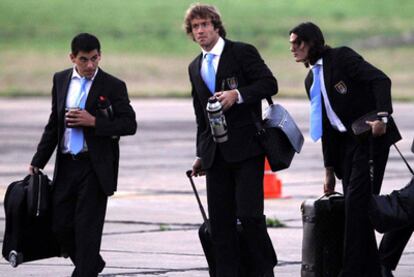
x=15, y=258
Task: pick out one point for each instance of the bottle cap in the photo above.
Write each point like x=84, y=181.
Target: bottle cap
x=212, y=99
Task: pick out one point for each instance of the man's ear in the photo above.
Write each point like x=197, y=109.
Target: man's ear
x=72, y=57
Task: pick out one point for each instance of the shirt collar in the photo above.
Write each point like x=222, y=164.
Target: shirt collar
x=318, y=62
x=75, y=74
x=217, y=49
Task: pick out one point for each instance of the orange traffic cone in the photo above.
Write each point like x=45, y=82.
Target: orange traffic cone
x=272, y=185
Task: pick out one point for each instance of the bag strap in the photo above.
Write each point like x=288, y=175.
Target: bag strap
x=403, y=158
x=200, y=205
x=258, y=123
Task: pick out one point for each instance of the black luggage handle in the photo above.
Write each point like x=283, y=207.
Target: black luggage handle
x=403, y=158
x=371, y=162
x=200, y=205
x=327, y=195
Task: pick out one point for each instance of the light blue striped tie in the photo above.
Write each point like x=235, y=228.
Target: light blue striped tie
x=76, y=134
x=209, y=75
x=316, y=105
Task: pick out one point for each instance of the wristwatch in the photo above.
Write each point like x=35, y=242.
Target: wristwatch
x=383, y=117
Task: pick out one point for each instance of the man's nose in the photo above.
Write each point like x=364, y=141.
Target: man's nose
x=90, y=64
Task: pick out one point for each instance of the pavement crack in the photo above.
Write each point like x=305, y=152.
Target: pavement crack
x=131, y=222
x=152, y=253
x=155, y=271
x=146, y=231
x=286, y=263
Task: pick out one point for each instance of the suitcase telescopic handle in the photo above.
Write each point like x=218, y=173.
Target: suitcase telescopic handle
x=200, y=205
x=403, y=158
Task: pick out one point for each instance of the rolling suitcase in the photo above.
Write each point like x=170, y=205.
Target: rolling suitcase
x=247, y=269
x=28, y=234
x=204, y=232
x=323, y=235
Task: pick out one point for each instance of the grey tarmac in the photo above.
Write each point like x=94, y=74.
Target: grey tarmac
x=152, y=221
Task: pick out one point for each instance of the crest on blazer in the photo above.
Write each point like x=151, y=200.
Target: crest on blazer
x=232, y=82
x=341, y=87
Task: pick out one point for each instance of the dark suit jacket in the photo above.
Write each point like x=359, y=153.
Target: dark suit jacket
x=354, y=88
x=255, y=82
x=103, y=150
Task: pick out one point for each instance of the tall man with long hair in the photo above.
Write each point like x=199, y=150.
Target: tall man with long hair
x=235, y=168
x=342, y=87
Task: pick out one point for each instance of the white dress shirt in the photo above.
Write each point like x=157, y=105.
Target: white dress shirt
x=333, y=118
x=216, y=51
x=71, y=101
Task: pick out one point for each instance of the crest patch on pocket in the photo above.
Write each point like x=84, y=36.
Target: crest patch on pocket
x=341, y=87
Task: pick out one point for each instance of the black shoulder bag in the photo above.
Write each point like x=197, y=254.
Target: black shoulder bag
x=279, y=135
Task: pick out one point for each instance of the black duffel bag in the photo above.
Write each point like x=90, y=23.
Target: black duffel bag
x=279, y=136
x=27, y=237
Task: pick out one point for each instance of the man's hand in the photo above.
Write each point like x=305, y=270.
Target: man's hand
x=378, y=127
x=227, y=98
x=79, y=118
x=33, y=170
x=196, y=168
x=329, y=185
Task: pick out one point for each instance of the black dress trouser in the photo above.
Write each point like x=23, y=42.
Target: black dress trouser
x=79, y=207
x=235, y=191
x=392, y=246
x=361, y=258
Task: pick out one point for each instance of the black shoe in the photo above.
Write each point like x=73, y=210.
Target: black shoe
x=386, y=272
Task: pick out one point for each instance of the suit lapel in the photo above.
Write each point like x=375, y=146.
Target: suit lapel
x=62, y=92
x=327, y=66
x=224, y=63
x=94, y=91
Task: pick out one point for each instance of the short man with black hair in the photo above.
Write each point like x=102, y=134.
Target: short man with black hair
x=87, y=152
x=342, y=87
x=234, y=168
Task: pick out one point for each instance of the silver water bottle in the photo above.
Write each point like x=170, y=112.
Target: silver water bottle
x=217, y=120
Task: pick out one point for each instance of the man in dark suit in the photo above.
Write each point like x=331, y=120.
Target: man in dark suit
x=342, y=87
x=87, y=155
x=234, y=168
